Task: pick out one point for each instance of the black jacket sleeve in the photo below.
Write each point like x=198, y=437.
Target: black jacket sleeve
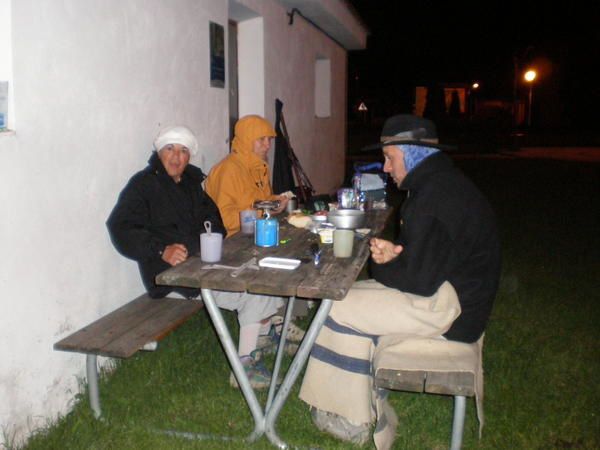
x=422, y=266
x=128, y=226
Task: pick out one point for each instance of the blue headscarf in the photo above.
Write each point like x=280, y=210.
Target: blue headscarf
x=415, y=154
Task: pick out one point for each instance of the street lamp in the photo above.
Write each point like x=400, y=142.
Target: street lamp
x=474, y=88
x=529, y=77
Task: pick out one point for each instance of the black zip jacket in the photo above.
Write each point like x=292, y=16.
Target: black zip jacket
x=153, y=211
x=448, y=231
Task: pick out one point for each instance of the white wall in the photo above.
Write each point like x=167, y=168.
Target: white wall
x=93, y=81
x=6, y=57
x=290, y=54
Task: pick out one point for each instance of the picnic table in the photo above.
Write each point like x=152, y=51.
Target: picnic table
x=329, y=281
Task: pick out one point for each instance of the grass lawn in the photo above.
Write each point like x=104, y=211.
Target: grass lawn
x=540, y=355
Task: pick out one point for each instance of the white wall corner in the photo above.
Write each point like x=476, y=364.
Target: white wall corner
x=251, y=67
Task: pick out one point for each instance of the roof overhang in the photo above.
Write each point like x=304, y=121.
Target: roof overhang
x=336, y=18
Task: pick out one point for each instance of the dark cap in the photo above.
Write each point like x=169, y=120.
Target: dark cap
x=409, y=130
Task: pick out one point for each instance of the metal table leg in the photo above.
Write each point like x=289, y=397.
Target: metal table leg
x=234, y=360
x=280, y=351
x=274, y=409
x=265, y=422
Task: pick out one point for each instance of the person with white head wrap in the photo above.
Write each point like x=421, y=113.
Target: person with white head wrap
x=176, y=135
x=174, y=145
x=157, y=222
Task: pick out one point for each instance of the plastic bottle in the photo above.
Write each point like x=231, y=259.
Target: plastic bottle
x=359, y=195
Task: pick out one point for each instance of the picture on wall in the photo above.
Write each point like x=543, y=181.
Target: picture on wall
x=217, y=55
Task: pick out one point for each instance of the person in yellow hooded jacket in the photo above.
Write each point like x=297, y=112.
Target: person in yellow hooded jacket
x=243, y=176
x=239, y=180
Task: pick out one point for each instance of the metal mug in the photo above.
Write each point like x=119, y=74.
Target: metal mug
x=292, y=205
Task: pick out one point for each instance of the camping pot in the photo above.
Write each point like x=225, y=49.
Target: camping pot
x=349, y=219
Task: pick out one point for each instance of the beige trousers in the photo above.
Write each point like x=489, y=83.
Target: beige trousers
x=339, y=373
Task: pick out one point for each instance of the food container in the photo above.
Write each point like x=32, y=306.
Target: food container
x=326, y=235
x=347, y=218
x=319, y=218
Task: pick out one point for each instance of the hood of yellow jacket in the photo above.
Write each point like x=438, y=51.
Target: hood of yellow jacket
x=247, y=130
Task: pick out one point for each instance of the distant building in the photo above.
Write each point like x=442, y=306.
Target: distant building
x=456, y=97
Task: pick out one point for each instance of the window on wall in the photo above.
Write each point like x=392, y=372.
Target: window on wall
x=323, y=87
x=6, y=120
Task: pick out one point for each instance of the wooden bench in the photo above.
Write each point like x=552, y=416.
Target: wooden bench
x=435, y=366
x=123, y=332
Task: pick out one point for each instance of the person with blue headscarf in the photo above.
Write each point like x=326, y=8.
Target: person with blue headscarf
x=437, y=278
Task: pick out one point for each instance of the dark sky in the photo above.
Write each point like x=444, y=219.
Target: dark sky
x=422, y=42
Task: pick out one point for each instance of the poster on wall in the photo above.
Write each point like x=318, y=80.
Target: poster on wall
x=217, y=55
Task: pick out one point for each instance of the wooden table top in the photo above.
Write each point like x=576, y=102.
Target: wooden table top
x=331, y=279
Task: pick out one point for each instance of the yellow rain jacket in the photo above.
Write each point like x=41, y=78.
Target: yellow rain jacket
x=241, y=178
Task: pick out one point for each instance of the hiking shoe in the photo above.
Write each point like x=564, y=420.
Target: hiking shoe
x=340, y=427
x=258, y=374
x=294, y=334
x=267, y=344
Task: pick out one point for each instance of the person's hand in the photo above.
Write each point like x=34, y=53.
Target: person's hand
x=383, y=251
x=283, y=201
x=175, y=254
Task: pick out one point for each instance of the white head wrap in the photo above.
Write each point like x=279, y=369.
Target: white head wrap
x=176, y=135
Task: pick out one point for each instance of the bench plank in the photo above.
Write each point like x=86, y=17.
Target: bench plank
x=447, y=383
x=154, y=328
x=102, y=331
x=124, y=331
x=450, y=383
x=401, y=380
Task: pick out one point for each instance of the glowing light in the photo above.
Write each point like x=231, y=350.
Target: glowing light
x=530, y=75
x=475, y=86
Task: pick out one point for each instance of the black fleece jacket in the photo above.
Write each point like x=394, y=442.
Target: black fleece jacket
x=448, y=231
x=153, y=211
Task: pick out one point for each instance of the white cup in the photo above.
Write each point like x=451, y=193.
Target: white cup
x=211, y=246
x=343, y=241
x=247, y=221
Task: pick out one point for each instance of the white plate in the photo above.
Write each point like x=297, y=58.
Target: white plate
x=279, y=263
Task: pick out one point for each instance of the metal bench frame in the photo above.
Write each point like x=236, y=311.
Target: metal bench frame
x=137, y=325
x=461, y=387
x=459, y=383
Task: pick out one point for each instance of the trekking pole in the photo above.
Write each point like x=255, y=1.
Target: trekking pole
x=305, y=186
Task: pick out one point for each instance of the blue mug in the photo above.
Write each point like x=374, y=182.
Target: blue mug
x=266, y=233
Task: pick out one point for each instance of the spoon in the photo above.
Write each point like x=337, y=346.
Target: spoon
x=315, y=250
x=208, y=227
